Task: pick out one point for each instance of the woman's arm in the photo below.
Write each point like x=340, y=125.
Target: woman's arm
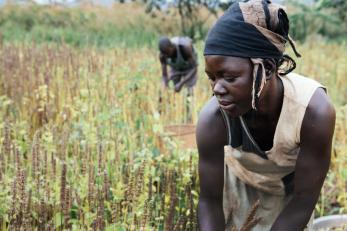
x=165, y=78
x=211, y=138
x=312, y=164
x=185, y=78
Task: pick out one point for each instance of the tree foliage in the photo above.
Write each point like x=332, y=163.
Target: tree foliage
x=192, y=22
x=324, y=17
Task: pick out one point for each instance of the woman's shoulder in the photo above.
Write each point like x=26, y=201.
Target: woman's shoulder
x=299, y=88
x=211, y=127
x=320, y=107
x=302, y=79
x=210, y=109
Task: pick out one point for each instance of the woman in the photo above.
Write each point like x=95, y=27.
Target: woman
x=179, y=54
x=265, y=135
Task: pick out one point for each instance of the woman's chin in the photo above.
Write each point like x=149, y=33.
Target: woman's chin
x=231, y=110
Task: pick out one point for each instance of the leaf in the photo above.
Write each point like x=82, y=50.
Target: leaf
x=58, y=220
x=344, y=173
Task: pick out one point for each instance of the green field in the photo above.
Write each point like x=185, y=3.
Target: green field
x=83, y=141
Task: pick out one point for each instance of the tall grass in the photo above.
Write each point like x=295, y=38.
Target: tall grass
x=83, y=144
x=80, y=27
x=122, y=25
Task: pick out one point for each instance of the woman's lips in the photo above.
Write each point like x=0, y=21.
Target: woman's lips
x=224, y=102
x=226, y=105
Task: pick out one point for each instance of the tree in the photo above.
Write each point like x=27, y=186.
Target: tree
x=324, y=17
x=192, y=22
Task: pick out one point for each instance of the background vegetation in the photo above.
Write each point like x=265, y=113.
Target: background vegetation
x=87, y=25
x=83, y=144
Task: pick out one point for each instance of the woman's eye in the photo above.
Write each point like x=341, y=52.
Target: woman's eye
x=229, y=79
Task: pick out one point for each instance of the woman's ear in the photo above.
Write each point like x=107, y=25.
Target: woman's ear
x=270, y=68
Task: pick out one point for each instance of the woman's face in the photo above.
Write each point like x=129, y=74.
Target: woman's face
x=168, y=51
x=231, y=81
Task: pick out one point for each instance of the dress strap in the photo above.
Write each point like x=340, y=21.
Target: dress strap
x=241, y=137
x=250, y=137
x=227, y=123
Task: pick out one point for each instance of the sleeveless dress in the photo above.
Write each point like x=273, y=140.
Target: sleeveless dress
x=251, y=173
x=179, y=66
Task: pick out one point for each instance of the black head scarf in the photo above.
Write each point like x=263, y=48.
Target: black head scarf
x=254, y=29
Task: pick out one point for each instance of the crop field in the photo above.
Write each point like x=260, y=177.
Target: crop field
x=84, y=145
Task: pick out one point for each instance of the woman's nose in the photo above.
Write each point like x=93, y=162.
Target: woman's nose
x=218, y=88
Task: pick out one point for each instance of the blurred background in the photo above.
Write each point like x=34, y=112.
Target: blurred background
x=94, y=23
x=86, y=144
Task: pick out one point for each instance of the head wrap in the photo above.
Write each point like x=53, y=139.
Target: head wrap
x=255, y=29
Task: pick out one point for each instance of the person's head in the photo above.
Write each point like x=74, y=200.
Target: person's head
x=247, y=43
x=166, y=47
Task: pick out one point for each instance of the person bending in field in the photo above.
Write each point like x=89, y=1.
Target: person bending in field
x=266, y=134
x=179, y=54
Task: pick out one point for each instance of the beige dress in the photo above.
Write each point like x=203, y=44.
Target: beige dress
x=251, y=173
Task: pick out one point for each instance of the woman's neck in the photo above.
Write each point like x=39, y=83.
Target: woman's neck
x=270, y=100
